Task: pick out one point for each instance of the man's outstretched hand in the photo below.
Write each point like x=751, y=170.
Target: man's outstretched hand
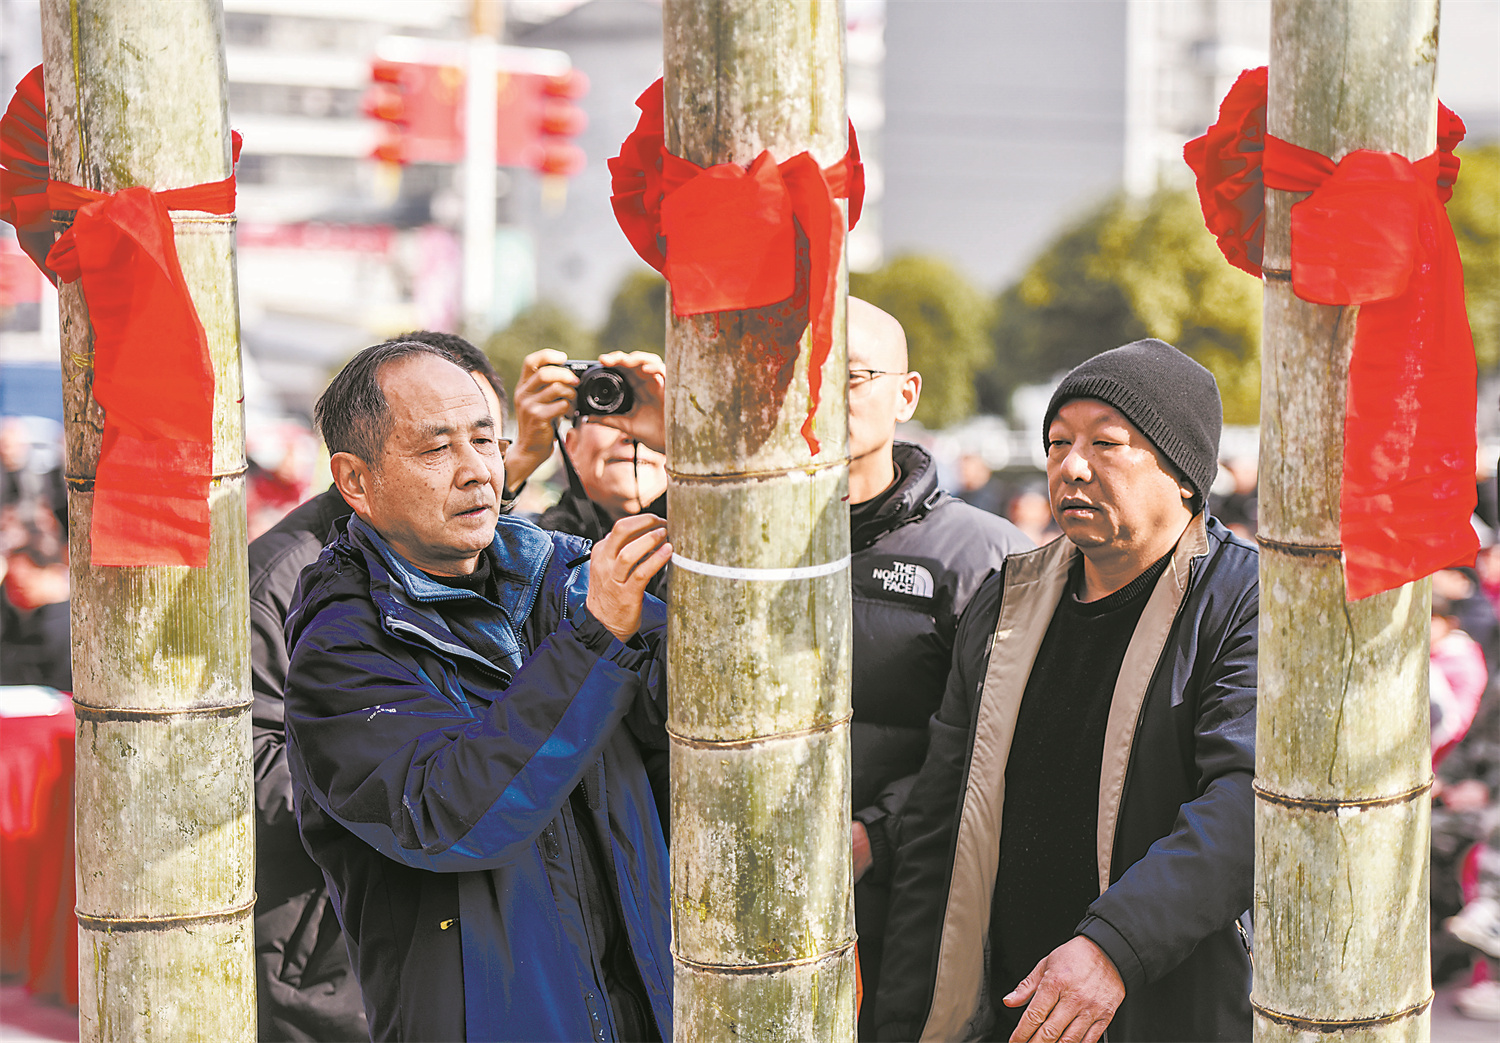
x=1073, y=994
x=620, y=567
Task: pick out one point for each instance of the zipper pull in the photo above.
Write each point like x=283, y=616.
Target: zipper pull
x=550, y=847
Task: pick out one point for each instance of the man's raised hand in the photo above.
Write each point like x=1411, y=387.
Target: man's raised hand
x=620, y=566
x=647, y=422
x=1073, y=993
x=544, y=393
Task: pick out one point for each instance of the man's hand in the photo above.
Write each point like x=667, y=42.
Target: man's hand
x=863, y=857
x=620, y=567
x=647, y=422
x=544, y=393
x=1074, y=993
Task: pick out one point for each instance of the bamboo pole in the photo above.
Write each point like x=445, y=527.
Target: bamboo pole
x=1342, y=763
x=761, y=874
x=136, y=96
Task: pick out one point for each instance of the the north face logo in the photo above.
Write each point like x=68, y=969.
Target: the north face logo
x=905, y=577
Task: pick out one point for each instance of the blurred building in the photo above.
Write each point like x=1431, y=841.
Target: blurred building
x=335, y=250
x=1006, y=119
x=581, y=254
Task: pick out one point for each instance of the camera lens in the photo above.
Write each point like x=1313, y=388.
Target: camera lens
x=603, y=392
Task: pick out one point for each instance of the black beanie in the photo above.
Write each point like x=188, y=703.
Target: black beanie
x=1169, y=397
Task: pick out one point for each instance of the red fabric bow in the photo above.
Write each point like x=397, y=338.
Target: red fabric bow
x=1374, y=233
x=152, y=374
x=725, y=237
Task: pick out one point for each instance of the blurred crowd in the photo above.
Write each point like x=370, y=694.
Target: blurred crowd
x=33, y=556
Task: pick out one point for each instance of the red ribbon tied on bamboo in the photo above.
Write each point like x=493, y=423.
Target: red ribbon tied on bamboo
x=725, y=237
x=152, y=373
x=1374, y=233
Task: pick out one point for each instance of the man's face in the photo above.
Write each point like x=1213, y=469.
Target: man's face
x=433, y=491
x=877, y=403
x=1110, y=488
x=611, y=473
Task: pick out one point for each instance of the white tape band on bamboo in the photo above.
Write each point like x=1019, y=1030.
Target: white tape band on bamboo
x=772, y=575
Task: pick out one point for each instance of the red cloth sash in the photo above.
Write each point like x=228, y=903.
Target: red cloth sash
x=152, y=373
x=725, y=237
x=1374, y=233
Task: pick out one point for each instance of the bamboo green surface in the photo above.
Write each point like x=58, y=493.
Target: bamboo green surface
x=1342, y=764
x=164, y=827
x=759, y=669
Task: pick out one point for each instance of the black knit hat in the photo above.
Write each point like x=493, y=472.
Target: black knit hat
x=1169, y=397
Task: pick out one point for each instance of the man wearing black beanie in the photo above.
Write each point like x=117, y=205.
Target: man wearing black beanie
x=1077, y=851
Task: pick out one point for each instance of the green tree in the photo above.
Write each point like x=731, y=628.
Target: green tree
x=1475, y=213
x=1130, y=270
x=637, y=315
x=946, y=319
x=543, y=325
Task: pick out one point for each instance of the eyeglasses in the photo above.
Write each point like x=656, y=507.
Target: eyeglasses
x=860, y=377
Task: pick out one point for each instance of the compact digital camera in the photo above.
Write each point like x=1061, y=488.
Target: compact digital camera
x=602, y=390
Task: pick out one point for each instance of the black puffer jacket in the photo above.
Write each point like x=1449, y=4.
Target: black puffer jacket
x=305, y=990
x=917, y=560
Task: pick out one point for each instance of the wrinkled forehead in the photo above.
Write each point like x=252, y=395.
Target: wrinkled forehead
x=1089, y=414
x=423, y=390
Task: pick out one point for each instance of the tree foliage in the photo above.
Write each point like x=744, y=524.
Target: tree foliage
x=637, y=318
x=543, y=325
x=1475, y=213
x=1130, y=270
x=946, y=319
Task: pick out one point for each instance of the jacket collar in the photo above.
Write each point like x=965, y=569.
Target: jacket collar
x=519, y=554
x=917, y=493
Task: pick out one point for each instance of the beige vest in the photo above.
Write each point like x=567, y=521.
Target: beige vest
x=1034, y=582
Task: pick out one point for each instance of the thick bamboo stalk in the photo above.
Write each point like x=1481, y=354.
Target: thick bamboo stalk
x=1342, y=765
x=759, y=667
x=136, y=96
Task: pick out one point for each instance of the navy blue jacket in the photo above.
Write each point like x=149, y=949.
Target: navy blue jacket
x=434, y=740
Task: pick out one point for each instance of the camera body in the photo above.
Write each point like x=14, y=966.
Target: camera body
x=602, y=390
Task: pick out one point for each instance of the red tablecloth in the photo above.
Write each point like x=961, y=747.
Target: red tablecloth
x=38, y=932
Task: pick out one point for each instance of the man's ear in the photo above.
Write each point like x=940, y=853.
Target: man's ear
x=351, y=477
x=911, y=394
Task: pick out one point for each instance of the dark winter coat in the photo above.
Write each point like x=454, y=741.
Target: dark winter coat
x=304, y=987
x=34, y=645
x=1175, y=826
x=434, y=739
x=916, y=563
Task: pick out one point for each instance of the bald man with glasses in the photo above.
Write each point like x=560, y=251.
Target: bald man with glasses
x=918, y=557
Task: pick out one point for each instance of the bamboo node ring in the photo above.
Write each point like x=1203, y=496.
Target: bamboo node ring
x=1333, y=807
x=757, y=740
x=763, y=968
x=1301, y=550
x=85, y=712
x=114, y=924
x=692, y=478
x=1339, y=1025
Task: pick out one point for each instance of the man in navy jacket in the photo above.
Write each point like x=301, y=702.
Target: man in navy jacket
x=467, y=702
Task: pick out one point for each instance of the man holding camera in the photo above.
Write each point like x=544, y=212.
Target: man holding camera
x=617, y=475
x=467, y=701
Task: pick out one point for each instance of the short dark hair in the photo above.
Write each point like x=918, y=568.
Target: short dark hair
x=466, y=354
x=353, y=415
